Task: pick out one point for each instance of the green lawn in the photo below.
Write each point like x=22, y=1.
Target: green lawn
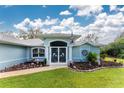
x=112, y=59
x=65, y=78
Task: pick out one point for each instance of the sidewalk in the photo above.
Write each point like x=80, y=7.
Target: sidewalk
x=28, y=71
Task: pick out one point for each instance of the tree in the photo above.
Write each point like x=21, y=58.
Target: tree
x=30, y=34
x=115, y=49
x=91, y=38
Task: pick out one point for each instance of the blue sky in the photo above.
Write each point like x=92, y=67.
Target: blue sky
x=103, y=20
x=15, y=14
x=10, y=15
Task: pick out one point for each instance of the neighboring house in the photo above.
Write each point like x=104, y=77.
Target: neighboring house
x=57, y=48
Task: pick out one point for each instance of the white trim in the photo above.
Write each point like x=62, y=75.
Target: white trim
x=38, y=52
x=58, y=50
x=58, y=55
x=58, y=40
x=66, y=55
x=47, y=54
x=50, y=55
x=70, y=53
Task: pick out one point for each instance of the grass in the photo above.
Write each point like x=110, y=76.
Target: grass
x=112, y=59
x=65, y=78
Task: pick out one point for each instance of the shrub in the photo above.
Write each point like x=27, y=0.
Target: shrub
x=103, y=55
x=121, y=56
x=92, y=59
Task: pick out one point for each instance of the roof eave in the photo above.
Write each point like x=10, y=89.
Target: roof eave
x=58, y=36
x=12, y=43
x=86, y=43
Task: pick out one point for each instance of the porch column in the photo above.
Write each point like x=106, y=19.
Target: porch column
x=70, y=53
x=46, y=54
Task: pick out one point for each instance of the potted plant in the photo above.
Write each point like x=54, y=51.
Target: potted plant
x=44, y=62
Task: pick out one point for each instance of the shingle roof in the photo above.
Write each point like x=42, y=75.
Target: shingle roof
x=33, y=42
x=11, y=40
x=58, y=35
x=38, y=42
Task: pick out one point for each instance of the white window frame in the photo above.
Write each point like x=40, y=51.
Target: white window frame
x=58, y=55
x=38, y=52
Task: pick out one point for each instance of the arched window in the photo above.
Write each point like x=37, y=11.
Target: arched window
x=58, y=43
x=38, y=52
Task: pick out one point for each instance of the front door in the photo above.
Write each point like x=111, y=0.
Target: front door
x=62, y=55
x=54, y=55
x=58, y=54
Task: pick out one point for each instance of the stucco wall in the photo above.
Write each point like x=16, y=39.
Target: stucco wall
x=47, y=44
x=76, y=51
x=11, y=54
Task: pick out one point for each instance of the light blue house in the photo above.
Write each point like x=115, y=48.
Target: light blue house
x=58, y=49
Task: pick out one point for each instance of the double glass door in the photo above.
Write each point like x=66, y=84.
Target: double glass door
x=58, y=55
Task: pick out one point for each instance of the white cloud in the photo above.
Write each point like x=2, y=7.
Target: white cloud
x=44, y=6
x=122, y=9
x=107, y=27
x=87, y=10
x=50, y=21
x=57, y=27
x=48, y=17
x=34, y=24
x=26, y=21
x=68, y=22
x=22, y=26
x=113, y=8
x=69, y=25
x=102, y=16
x=66, y=12
x=50, y=25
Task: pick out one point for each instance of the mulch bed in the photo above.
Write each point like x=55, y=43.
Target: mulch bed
x=89, y=70
x=86, y=67
x=21, y=66
x=82, y=66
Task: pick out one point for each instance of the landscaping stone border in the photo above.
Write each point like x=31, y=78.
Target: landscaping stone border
x=90, y=70
x=95, y=69
x=22, y=66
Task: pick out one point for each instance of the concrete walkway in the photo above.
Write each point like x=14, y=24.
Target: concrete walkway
x=29, y=71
